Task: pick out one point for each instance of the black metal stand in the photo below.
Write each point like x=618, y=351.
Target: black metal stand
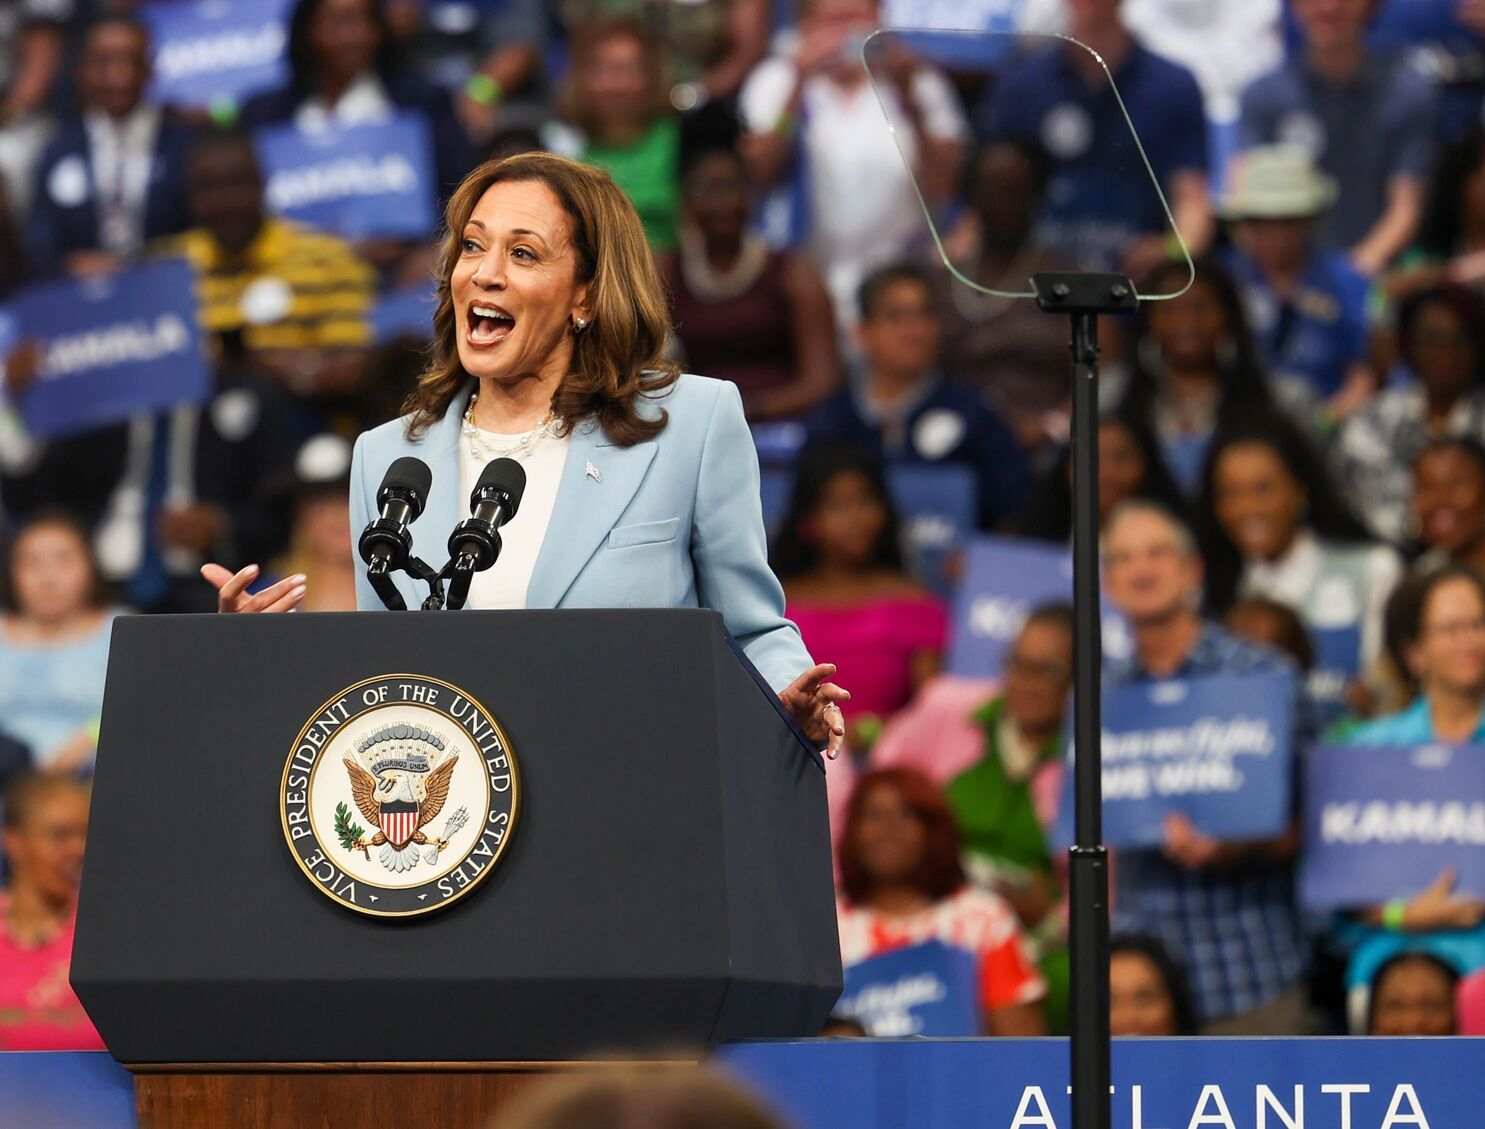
x=1083, y=297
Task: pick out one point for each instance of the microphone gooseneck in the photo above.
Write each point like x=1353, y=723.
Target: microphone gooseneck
x=475, y=543
x=386, y=543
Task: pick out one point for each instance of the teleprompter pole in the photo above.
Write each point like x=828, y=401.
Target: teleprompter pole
x=1083, y=297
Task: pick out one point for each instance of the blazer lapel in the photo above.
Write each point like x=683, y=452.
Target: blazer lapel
x=440, y=450
x=586, y=508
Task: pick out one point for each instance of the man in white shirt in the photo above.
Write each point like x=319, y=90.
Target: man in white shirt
x=114, y=176
x=813, y=121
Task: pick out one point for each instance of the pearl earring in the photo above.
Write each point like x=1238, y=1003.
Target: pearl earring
x=579, y=324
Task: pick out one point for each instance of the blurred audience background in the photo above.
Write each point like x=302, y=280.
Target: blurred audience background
x=1291, y=451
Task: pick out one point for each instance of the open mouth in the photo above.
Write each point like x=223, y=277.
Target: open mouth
x=489, y=324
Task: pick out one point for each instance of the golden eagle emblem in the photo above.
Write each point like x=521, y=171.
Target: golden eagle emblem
x=400, y=780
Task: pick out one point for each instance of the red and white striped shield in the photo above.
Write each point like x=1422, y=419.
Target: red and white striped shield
x=399, y=821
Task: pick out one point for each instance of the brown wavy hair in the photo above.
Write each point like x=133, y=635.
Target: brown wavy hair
x=939, y=872
x=584, y=44
x=618, y=359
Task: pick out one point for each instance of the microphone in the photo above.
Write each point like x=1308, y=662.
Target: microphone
x=475, y=542
x=385, y=543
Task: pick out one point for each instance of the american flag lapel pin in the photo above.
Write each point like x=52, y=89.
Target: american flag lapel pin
x=592, y=472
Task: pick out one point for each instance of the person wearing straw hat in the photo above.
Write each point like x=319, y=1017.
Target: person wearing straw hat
x=1307, y=304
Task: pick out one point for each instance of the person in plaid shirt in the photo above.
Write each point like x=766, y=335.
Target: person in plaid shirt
x=1225, y=910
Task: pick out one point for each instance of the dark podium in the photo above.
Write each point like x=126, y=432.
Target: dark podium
x=667, y=886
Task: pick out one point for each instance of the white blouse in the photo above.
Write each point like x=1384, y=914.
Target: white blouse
x=504, y=584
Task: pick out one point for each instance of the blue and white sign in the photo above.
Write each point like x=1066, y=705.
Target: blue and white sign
x=924, y=989
x=1196, y=1083
x=404, y=312
x=1337, y=662
x=1217, y=748
x=358, y=181
x=1199, y=1083
x=937, y=504
x=111, y=348
x=211, y=52
x=1004, y=580
x=1382, y=822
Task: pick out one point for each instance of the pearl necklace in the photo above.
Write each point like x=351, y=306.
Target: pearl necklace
x=519, y=450
x=706, y=282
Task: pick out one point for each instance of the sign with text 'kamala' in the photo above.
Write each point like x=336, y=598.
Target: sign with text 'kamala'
x=1217, y=748
x=110, y=348
x=926, y=989
x=206, y=52
x=1004, y=580
x=1382, y=822
x=358, y=181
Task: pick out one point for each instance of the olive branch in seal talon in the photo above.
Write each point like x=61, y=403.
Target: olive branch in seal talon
x=349, y=833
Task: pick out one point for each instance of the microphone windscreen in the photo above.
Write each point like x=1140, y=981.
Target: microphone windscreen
x=410, y=478
x=505, y=475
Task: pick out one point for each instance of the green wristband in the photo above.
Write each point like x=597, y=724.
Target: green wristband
x=1392, y=914
x=484, y=89
x=784, y=127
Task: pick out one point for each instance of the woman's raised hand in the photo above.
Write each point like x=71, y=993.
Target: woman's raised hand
x=232, y=594
x=815, y=704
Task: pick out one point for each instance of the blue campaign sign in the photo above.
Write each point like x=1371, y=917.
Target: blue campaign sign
x=1337, y=662
x=358, y=181
x=1200, y=1083
x=1004, y=579
x=937, y=504
x=65, y=1090
x=924, y=989
x=404, y=312
x=111, y=348
x=1383, y=821
x=207, y=52
x=1218, y=748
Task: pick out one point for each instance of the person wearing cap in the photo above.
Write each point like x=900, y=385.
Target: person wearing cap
x=320, y=530
x=1307, y=303
x=1366, y=118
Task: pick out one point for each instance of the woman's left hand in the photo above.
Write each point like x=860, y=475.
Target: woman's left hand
x=815, y=704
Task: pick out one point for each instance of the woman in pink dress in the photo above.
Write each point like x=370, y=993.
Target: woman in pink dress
x=838, y=556
x=46, y=823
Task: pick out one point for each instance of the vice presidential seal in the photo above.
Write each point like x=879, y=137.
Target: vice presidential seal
x=399, y=795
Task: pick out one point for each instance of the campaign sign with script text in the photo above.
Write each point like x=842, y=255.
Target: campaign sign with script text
x=1004, y=580
x=110, y=348
x=923, y=989
x=1383, y=821
x=206, y=52
x=359, y=181
x=1218, y=748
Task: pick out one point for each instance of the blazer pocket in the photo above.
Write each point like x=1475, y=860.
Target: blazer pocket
x=644, y=533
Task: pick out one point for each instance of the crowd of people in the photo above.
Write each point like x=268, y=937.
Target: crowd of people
x=1291, y=447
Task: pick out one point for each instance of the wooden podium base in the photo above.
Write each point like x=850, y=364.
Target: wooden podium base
x=313, y=1095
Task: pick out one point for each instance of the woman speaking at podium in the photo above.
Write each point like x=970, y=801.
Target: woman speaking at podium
x=641, y=482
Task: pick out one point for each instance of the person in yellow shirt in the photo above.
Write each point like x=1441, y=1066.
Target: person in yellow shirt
x=295, y=301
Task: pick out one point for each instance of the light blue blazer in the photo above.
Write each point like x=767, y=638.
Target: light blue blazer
x=675, y=522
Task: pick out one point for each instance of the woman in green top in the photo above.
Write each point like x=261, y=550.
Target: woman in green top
x=1004, y=843
x=621, y=119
